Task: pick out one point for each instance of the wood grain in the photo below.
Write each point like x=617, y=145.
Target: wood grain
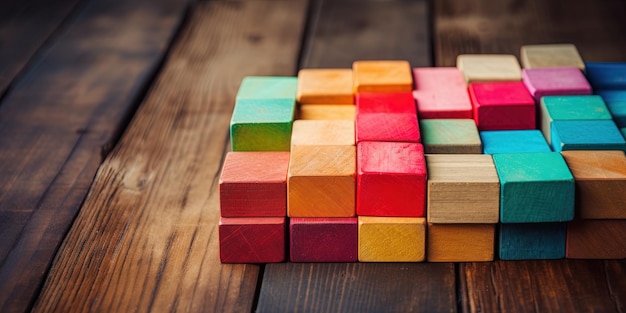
x=596, y=239
x=392, y=239
x=460, y=242
x=325, y=86
x=319, y=239
x=450, y=136
x=551, y=55
x=382, y=76
x=327, y=112
x=252, y=239
x=323, y=133
x=392, y=127
x=489, y=67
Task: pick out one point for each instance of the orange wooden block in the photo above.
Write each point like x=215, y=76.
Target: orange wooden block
x=382, y=76
x=325, y=86
x=322, y=133
x=460, y=242
x=596, y=239
x=327, y=112
x=391, y=239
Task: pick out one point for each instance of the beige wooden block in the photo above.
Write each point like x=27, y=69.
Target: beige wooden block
x=489, y=67
x=322, y=133
x=325, y=86
x=460, y=242
x=557, y=55
x=462, y=188
x=391, y=239
x=382, y=76
x=327, y=112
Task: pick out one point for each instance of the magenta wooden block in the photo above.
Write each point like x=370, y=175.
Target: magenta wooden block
x=555, y=81
x=252, y=239
x=502, y=106
x=396, y=127
x=441, y=92
x=323, y=239
x=370, y=102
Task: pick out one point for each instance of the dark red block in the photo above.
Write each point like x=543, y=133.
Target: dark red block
x=394, y=127
x=370, y=102
x=323, y=239
x=252, y=239
x=502, y=106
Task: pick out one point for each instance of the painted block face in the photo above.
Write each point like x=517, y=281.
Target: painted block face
x=254, y=184
x=252, y=239
x=600, y=183
x=555, y=55
x=382, y=76
x=325, y=86
x=450, y=136
x=460, y=242
x=607, y=75
x=323, y=133
x=327, y=112
x=616, y=102
x=323, y=239
x=321, y=181
x=513, y=141
x=557, y=81
x=532, y=241
x=563, y=108
x=440, y=92
x=391, y=239
x=268, y=87
x=369, y=102
x=596, y=239
x=262, y=125
x=586, y=135
x=394, y=127
x=535, y=187
x=502, y=106
x=489, y=67
x=391, y=179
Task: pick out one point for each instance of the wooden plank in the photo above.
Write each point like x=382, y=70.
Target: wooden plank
x=146, y=237
x=58, y=122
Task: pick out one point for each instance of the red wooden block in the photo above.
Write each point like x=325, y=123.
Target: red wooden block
x=395, y=127
x=252, y=239
x=441, y=92
x=254, y=184
x=596, y=239
x=323, y=239
x=391, y=179
x=502, y=106
x=370, y=102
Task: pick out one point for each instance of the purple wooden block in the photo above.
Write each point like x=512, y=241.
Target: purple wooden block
x=323, y=239
x=555, y=81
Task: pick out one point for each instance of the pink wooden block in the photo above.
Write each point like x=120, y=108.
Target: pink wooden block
x=370, y=102
x=396, y=127
x=252, y=239
x=502, y=106
x=441, y=92
x=555, y=81
x=323, y=239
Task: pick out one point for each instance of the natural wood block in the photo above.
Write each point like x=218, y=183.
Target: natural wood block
x=372, y=102
x=586, y=135
x=321, y=181
x=460, y=242
x=325, y=86
x=607, y=75
x=616, y=103
x=323, y=133
x=532, y=241
x=450, y=136
x=268, y=87
x=254, y=184
x=489, y=67
x=323, y=239
x=391, y=179
x=252, y=239
x=262, y=125
x=502, y=106
x=462, y=188
x=513, y=141
x=596, y=239
x=441, y=92
x=382, y=76
x=556, y=81
x=392, y=239
x=551, y=55
x=561, y=108
x=535, y=187
x=600, y=183
x=395, y=127
x=327, y=112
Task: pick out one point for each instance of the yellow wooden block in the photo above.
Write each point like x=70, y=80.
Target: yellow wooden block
x=460, y=242
x=558, y=55
x=325, y=86
x=391, y=239
x=322, y=133
x=489, y=67
x=382, y=76
x=327, y=112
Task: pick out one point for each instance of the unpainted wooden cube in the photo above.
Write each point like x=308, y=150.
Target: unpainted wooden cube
x=489, y=67
x=382, y=76
x=450, y=136
x=321, y=239
x=325, y=86
x=460, y=242
x=551, y=55
x=513, y=141
x=327, y=112
x=441, y=92
x=323, y=133
x=502, y=106
x=392, y=239
x=252, y=239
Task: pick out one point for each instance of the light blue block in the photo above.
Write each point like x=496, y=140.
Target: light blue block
x=513, y=141
x=586, y=135
x=562, y=108
x=532, y=241
x=268, y=87
x=606, y=75
x=616, y=102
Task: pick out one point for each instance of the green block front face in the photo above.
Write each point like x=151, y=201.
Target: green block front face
x=262, y=125
x=268, y=87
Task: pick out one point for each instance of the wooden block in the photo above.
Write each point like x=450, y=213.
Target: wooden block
x=462, y=188
x=616, y=103
x=268, y=87
x=441, y=92
x=489, y=67
x=552, y=55
x=513, y=141
x=370, y=102
x=450, y=136
x=586, y=135
x=502, y=106
x=395, y=127
x=600, y=183
x=327, y=112
x=321, y=181
x=534, y=187
x=323, y=239
x=382, y=76
x=323, y=133
x=262, y=125
x=391, y=179
x=556, y=81
x=561, y=108
x=392, y=239
x=254, y=184
x=607, y=75
x=252, y=239
x=532, y=241
x=325, y=86
x=460, y=242
x=596, y=239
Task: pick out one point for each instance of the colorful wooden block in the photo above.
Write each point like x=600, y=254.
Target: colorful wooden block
x=555, y=81
x=262, y=125
x=460, y=242
x=392, y=239
x=513, y=141
x=268, y=87
x=532, y=241
x=551, y=55
x=254, y=184
x=318, y=239
x=596, y=239
x=607, y=75
x=534, y=187
x=321, y=181
x=252, y=239
x=325, y=86
x=395, y=102
x=396, y=127
x=327, y=112
x=323, y=133
x=616, y=103
x=462, y=188
x=600, y=183
x=391, y=179
x=502, y=106
x=489, y=67
x=586, y=135
x=450, y=136
x=382, y=76
x=561, y=108
x=441, y=92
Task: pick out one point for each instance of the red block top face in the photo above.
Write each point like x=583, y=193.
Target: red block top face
x=370, y=102
x=391, y=157
x=397, y=127
x=252, y=167
x=555, y=81
x=500, y=94
x=440, y=92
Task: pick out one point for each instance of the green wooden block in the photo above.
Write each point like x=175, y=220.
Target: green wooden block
x=268, y=87
x=567, y=108
x=586, y=135
x=534, y=187
x=450, y=136
x=262, y=125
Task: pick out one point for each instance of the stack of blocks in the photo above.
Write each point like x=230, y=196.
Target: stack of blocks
x=384, y=163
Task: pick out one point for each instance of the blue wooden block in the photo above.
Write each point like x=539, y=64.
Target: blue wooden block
x=534, y=187
x=262, y=124
x=616, y=102
x=513, y=141
x=268, y=87
x=532, y=241
x=606, y=75
x=586, y=135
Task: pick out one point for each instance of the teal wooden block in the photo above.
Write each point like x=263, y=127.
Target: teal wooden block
x=534, y=187
x=513, y=141
x=624, y=132
x=586, y=135
x=566, y=108
x=268, y=87
x=450, y=136
x=606, y=75
x=532, y=241
x=262, y=125
x=616, y=102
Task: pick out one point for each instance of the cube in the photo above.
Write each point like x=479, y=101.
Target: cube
x=502, y=106
x=561, y=108
x=489, y=67
x=395, y=127
x=252, y=239
x=607, y=75
x=556, y=81
x=450, y=136
x=327, y=112
x=532, y=241
x=262, y=125
x=586, y=135
x=616, y=102
x=460, y=242
x=369, y=102
x=596, y=239
x=325, y=86
x=268, y=87
x=552, y=55
x=392, y=239
x=513, y=141
x=382, y=76
x=323, y=239
x=323, y=133
x=441, y=92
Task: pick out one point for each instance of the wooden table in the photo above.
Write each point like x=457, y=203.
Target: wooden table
x=114, y=124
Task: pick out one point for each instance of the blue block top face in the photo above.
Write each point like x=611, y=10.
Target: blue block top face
x=268, y=87
x=513, y=141
x=263, y=111
x=576, y=107
x=586, y=135
x=610, y=96
x=532, y=167
x=606, y=75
